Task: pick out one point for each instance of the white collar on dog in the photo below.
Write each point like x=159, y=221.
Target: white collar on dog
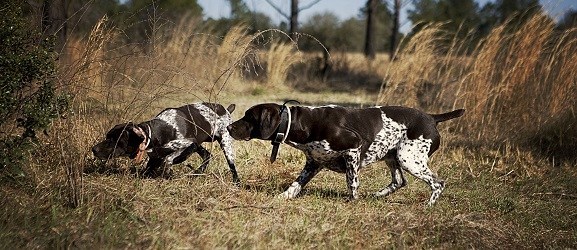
x=285, y=125
x=144, y=144
x=149, y=137
x=283, y=129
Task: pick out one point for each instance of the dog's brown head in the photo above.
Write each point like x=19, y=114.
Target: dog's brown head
x=122, y=140
x=259, y=121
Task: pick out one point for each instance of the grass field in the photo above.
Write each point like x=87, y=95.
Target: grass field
x=502, y=191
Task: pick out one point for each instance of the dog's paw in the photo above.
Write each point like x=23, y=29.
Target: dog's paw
x=165, y=173
x=284, y=196
x=292, y=191
x=236, y=182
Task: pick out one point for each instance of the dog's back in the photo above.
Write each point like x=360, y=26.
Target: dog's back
x=201, y=121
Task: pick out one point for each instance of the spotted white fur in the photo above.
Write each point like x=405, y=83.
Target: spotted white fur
x=325, y=106
x=411, y=156
x=218, y=131
x=179, y=145
x=169, y=116
x=320, y=151
x=386, y=139
x=219, y=124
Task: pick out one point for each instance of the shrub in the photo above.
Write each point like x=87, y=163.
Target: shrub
x=29, y=101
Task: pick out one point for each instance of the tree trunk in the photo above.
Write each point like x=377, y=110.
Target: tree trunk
x=370, y=34
x=46, y=18
x=294, y=19
x=395, y=31
x=54, y=21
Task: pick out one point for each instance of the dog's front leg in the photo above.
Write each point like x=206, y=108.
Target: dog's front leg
x=226, y=145
x=352, y=161
x=152, y=167
x=310, y=170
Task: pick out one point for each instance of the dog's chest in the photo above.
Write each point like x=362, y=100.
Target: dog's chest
x=322, y=154
x=319, y=150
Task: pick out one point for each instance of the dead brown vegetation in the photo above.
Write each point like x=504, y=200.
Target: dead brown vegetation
x=517, y=87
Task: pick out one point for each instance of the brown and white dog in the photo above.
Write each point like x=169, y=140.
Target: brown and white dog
x=347, y=139
x=171, y=137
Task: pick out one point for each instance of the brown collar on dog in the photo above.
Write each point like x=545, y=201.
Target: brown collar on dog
x=142, y=147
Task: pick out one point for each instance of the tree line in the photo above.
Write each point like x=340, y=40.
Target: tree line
x=374, y=29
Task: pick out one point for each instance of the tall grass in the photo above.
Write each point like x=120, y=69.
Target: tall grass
x=280, y=57
x=113, y=81
x=506, y=85
x=518, y=82
x=513, y=84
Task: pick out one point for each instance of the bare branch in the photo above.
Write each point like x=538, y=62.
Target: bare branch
x=309, y=5
x=279, y=10
x=402, y=5
x=405, y=3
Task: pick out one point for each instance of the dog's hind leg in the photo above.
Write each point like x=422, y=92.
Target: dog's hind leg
x=185, y=154
x=205, y=155
x=397, y=178
x=413, y=157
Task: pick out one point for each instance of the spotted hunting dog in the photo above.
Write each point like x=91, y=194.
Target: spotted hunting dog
x=171, y=137
x=347, y=139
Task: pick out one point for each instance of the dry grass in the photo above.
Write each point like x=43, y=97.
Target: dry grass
x=518, y=83
x=499, y=194
x=280, y=58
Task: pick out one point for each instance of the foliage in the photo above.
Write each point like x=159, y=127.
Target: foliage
x=458, y=16
x=515, y=11
x=239, y=10
x=499, y=193
x=84, y=14
x=465, y=17
x=344, y=35
x=569, y=20
x=322, y=27
x=508, y=8
x=383, y=23
x=170, y=9
x=28, y=99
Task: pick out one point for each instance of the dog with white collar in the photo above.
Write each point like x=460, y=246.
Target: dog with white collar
x=347, y=139
x=172, y=136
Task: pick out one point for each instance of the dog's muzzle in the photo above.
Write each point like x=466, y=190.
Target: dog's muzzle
x=98, y=152
x=104, y=151
x=238, y=132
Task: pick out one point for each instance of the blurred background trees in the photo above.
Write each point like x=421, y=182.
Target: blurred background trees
x=375, y=29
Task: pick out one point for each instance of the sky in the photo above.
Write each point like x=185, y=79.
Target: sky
x=345, y=9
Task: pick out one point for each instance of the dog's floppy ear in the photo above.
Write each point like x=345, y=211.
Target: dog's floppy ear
x=231, y=108
x=138, y=131
x=269, y=121
x=136, y=134
x=136, y=138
